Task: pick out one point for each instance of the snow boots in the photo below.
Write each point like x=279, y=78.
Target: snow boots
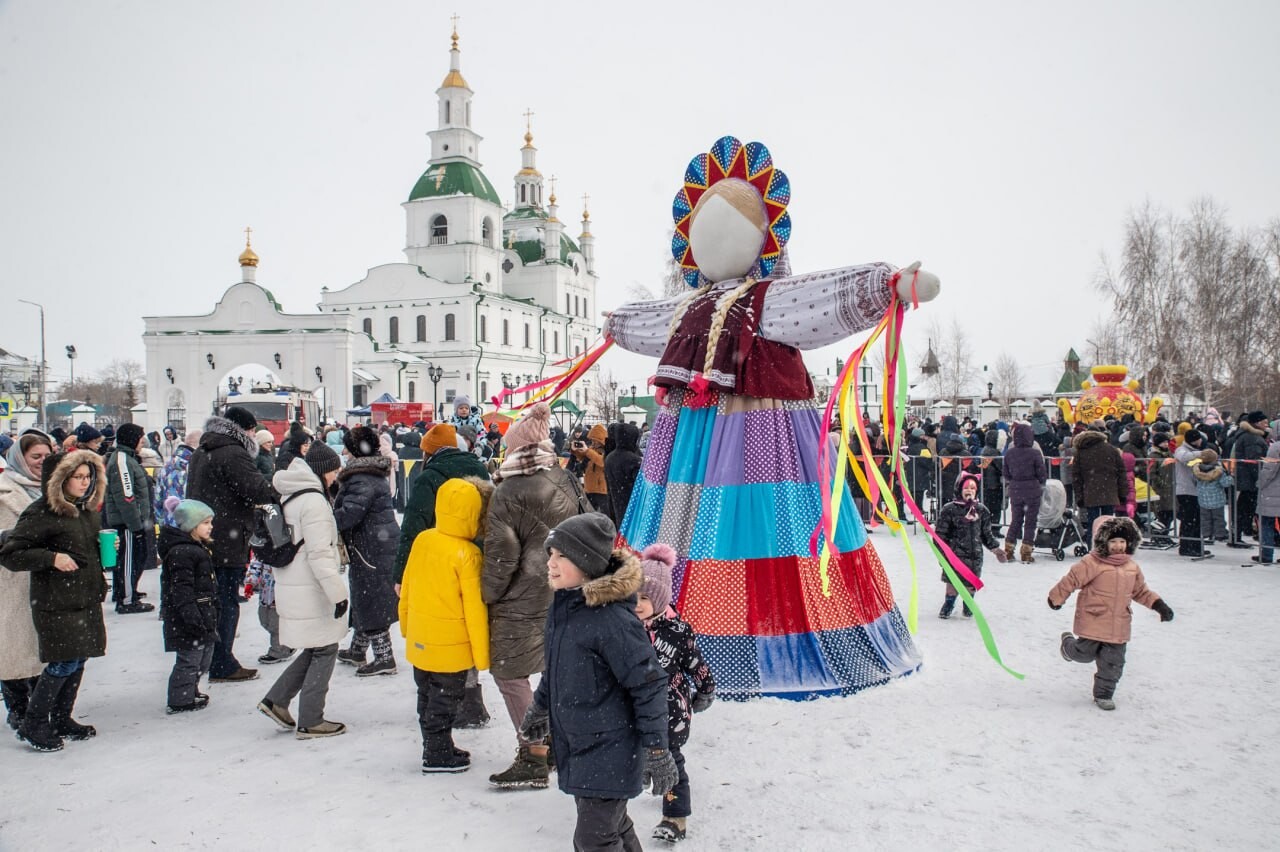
x=671, y=829
x=528, y=770
x=280, y=715
x=60, y=717
x=472, y=713
x=1024, y=552
x=1062, y=646
x=354, y=656
x=1008, y=551
x=36, y=729
x=1105, y=703
x=16, y=694
x=948, y=605
x=440, y=755
x=324, y=729
x=384, y=663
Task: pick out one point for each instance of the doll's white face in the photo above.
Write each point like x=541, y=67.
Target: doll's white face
x=725, y=240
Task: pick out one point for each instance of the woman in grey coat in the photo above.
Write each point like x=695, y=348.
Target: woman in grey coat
x=1269, y=504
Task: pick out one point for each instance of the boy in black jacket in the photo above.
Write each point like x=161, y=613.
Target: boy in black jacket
x=188, y=601
x=602, y=696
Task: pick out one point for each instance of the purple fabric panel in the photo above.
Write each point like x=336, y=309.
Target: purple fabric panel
x=726, y=453
x=770, y=447
x=805, y=424
x=657, y=452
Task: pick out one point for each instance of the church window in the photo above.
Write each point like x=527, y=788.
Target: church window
x=468, y=125
x=507, y=265
x=544, y=340
x=484, y=390
x=486, y=232
x=575, y=306
x=527, y=345
x=393, y=330
x=422, y=327
x=566, y=303
x=439, y=231
x=555, y=342
x=522, y=196
x=367, y=326
x=413, y=387
x=506, y=333
x=585, y=312
x=450, y=327
x=484, y=329
x=447, y=112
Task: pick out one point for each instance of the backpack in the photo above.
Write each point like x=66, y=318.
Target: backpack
x=272, y=538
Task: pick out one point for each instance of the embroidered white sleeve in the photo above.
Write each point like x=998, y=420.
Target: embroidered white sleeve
x=642, y=326
x=820, y=308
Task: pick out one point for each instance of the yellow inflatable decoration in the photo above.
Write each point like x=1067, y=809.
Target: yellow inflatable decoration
x=1110, y=394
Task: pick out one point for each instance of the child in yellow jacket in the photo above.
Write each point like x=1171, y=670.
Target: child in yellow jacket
x=443, y=617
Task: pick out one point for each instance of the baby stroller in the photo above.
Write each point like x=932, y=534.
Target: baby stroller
x=1057, y=527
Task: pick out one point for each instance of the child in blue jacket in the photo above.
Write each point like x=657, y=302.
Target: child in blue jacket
x=603, y=696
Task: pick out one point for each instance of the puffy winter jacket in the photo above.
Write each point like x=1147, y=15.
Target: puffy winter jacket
x=222, y=474
x=309, y=587
x=129, y=498
x=442, y=611
x=687, y=671
x=602, y=685
x=1211, y=486
x=1269, y=483
x=19, y=649
x=188, y=591
x=965, y=538
x=171, y=481
x=521, y=513
x=1099, y=473
x=1024, y=468
x=366, y=519
x=1102, y=610
x=593, y=480
x=1249, y=447
x=621, y=467
x=420, y=511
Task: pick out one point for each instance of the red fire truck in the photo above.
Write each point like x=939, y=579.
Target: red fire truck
x=275, y=407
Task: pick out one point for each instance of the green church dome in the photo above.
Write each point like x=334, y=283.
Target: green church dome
x=457, y=178
x=528, y=240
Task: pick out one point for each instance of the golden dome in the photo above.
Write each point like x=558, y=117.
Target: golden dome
x=454, y=80
x=248, y=257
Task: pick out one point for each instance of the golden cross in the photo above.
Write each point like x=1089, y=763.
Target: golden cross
x=528, y=120
x=585, y=199
x=454, y=19
x=553, y=187
x=247, y=232
x=439, y=176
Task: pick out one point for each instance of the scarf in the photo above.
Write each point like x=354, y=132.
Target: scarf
x=19, y=472
x=971, y=508
x=1116, y=559
x=527, y=460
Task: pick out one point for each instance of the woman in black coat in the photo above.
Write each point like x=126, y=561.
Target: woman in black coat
x=621, y=467
x=367, y=521
x=56, y=539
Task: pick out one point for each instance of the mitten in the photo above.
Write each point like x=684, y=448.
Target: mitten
x=701, y=701
x=340, y=610
x=661, y=770
x=1000, y=555
x=536, y=724
x=1051, y=605
x=1161, y=607
x=248, y=588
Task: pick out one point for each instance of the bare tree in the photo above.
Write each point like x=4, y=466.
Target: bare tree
x=956, y=372
x=1008, y=381
x=603, y=399
x=117, y=388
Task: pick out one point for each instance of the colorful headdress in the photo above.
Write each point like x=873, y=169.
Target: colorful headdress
x=752, y=164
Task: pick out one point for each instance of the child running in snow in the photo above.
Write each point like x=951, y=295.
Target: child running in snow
x=443, y=617
x=690, y=685
x=188, y=600
x=1108, y=579
x=602, y=696
x=965, y=525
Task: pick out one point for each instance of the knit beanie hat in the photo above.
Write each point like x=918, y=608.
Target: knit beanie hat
x=85, y=433
x=461, y=399
x=362, y=442
x=587, y=541
x=467, y=432
x=656, y=561
x=438, y=437
x=321, y=459
x=1253, y=418
x=533, y=428
x=1160, y=439
x=128, y=435
x=1192, y=436
x=263, y=437
x=108, y=431
x=1208, y=458
x=188, y=514
x=242, y=418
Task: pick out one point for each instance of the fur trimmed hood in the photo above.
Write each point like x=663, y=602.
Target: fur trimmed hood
x=370, y=465
x=622, y=580
x=1246, y=426
x=1107, y=528
x=61, y=465
x=1087, y=438
x=224, y=427
x=1207, y=474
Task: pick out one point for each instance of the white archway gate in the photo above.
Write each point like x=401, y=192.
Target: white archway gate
x=191, y=354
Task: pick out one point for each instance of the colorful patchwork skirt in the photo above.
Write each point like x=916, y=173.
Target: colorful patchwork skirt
x=734, y=488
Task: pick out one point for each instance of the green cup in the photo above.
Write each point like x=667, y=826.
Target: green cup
x=107, y=543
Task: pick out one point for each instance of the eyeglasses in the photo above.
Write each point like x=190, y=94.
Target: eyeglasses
x=80, y=477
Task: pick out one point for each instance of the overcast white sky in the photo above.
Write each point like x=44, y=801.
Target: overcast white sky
x=1001, y=144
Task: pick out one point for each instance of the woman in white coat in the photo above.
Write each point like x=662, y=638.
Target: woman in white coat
x=311, y=596
x=19, y=654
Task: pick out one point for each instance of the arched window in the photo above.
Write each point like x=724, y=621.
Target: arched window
x=526, y=336
x=439, y=231
x=468, y=125
x=422, y=327
x=585, y=312
x=486, y=232
x=447, y=112
x=575, y=306
x=566, y=303
x=484, y=329
x=522, y=195
x=393, y=330
x=506, y=333
x=413, y=395
x=484, y=390
x=450, y=327
x=367, y=325
x=555, y=341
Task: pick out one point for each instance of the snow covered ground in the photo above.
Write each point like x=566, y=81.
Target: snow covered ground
x=959, y=756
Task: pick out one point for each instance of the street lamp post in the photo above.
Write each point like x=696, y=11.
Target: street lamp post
x=435, y=374
x=71, y=358
x=613, y=401
x=43, y=414
x=990, y=385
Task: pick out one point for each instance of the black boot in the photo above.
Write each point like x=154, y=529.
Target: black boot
x=17, y=693
x=440, y=755
x=948, y=604
x=63, y=724
x=35, y=730
x=472, y=713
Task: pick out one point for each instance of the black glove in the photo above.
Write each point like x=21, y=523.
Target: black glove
x=701, y=701
x=661, y=771
x=340, y=610
x=536, y=724
x=1161, y=607
x=1051, y=606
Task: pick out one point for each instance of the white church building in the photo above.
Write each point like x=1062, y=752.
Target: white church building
x=485, y=297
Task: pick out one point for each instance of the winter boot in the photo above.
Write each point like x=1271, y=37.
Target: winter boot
x=472, y=713
x=671, y=829
x=1062, y=647
x=948, y=604
x=1105, y=703
x=528, y=770
x=197, y=704
x=63, y=724
x=354, y=656
x=1024, y=553
x=968, y=613
x=36, y=730
x=441, y=756
x=280, y=715
x=383, y=661
x=1008, y=551
x=16, y=694
x=324, y=729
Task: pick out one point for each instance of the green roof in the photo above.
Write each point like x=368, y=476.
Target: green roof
x=531, y=250
x=525, y=213
x=456, y=178
x=1070, y=381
